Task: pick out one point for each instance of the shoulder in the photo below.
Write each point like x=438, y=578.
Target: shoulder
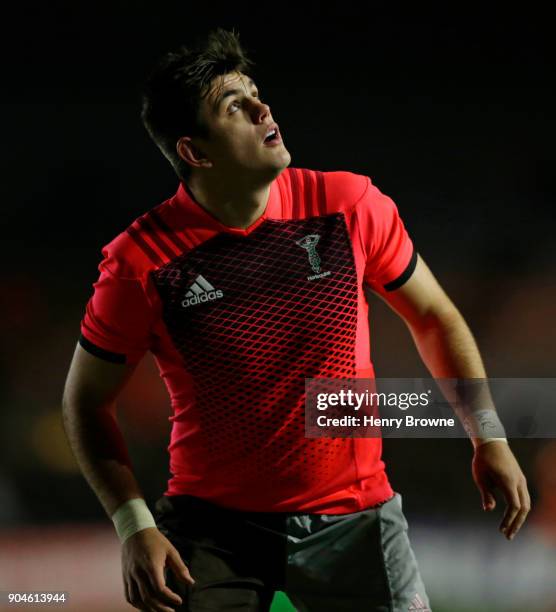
x=345, y=190
x=340, y=185
x=141, y=247
x=336, y=191
x=347, y=186
x=337, y=182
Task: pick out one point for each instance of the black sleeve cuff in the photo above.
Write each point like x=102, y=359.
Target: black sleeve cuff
x=100, y=352
x=405, y=275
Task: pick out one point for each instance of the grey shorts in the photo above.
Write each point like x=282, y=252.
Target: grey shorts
x=324, y=563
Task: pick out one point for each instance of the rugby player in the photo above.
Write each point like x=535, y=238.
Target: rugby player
x=246, y=281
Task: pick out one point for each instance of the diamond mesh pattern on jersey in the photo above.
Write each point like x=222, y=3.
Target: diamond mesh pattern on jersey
x=250, y=350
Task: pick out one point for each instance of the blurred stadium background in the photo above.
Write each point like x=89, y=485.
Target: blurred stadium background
x=451, y=115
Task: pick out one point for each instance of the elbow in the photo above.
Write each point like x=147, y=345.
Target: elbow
x=445, y=318
x=80, y=403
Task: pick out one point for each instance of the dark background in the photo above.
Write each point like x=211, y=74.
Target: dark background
x=450, y=113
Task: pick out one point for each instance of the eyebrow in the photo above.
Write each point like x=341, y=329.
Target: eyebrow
x=232, y=92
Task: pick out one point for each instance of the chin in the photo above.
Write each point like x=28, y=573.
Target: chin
x=283, y=161
x=267, y=171
x=277, y=170
x=271, y=169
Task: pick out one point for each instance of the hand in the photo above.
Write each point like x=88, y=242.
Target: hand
x=494, y=466
x=144, y=557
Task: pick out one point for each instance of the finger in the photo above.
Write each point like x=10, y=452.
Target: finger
x=513, y=506
x=489, y=501
x=133, y=596
x=148, y=597
x=142, y=591
x=485, y=486
x=158, y=587
x=148, y=601
x=126, y=592
x=526, y=495
x=178, y=567
x=523, y=512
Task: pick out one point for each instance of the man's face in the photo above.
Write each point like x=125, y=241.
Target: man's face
x=238, y=122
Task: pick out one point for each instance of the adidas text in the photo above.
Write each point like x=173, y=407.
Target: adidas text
x=206, y=296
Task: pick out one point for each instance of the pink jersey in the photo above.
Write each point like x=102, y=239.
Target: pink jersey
x=238, y=318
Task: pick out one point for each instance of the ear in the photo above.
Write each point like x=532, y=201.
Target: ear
x=191, y=153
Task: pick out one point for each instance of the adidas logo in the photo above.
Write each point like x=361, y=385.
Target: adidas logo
x=201, y=291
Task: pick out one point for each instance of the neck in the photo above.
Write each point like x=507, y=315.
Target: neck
x=234, y=204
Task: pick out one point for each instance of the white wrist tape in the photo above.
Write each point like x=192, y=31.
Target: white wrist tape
x=484, y=426
x=131, y=517
x=480, y=441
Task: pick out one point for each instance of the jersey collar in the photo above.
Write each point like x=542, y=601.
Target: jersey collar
x=200, y=217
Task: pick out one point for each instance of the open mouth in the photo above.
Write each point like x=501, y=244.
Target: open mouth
x=273, y=135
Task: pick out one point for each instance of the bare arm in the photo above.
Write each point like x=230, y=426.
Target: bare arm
x=89, y=407
x=449, y=350
x=89, y=412
x=441, y=335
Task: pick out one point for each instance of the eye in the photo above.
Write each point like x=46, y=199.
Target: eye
x=234, y=106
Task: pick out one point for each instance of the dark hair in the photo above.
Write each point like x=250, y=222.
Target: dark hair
x=178, y=84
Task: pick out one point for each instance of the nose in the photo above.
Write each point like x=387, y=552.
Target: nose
x=259, y=111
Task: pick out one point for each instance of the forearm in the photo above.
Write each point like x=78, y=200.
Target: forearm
x=101, y=453
x=449, y=351
x=447, y=346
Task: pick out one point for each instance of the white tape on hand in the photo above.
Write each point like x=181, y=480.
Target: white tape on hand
x=484, y=426
x=131, y=517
